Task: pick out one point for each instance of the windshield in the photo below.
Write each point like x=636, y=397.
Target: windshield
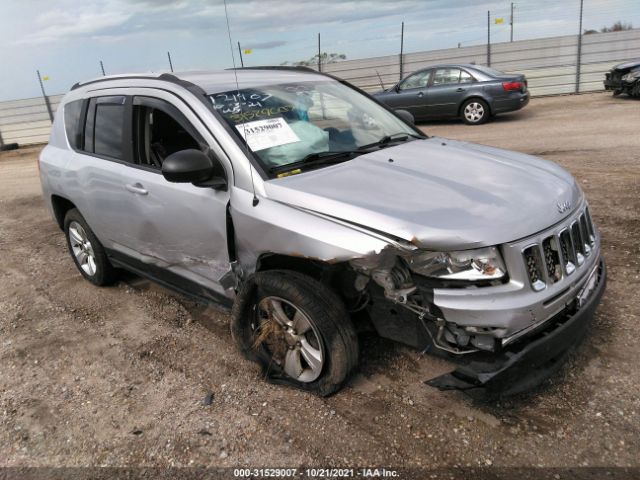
x=288, y=123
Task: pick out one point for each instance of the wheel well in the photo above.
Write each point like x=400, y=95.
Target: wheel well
x=339, y=277
x=60, y=208
x=475, y=97
x=310, y=267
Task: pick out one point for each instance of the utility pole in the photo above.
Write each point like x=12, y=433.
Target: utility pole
x=511, y=22
x=102, y=68
x=46, y=99
x=488, y=38
x=402, y=51
x=319, y=55
x=579, y=59
x=241, y=59
x=170, y=62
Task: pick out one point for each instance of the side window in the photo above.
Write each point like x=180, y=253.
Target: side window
x=105, y=126
x=417, y=80
x=446, y=75
x=159, y=129
x=73, y=123
x=466, y=77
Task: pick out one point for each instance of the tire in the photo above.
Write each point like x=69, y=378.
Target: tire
x=475, y=111
x=322, y=331
x=87, y=252
x=617, y=92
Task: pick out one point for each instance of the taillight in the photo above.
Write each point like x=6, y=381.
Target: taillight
x=510, y=86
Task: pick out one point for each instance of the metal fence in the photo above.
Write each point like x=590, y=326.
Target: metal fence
x=554, y=65
x=550, y=64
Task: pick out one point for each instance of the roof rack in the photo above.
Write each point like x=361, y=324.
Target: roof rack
x=295, y=68
x=168, y=77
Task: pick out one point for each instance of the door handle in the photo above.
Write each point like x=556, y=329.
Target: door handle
x=460, y=89
x=136, y=188
x=420, y=94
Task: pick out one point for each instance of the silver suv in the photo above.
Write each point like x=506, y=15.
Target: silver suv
x=316, y=212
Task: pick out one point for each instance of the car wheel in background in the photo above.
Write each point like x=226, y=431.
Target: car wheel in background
x=617, y=92
x=297, y=329
x=475, y=111
x=87, y=252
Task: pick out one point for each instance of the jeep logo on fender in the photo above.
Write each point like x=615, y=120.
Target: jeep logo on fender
x=563, y=206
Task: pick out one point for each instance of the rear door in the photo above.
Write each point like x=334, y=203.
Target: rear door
x=446, y=90
x=97, y=165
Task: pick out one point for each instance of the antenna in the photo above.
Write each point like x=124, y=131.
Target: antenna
x=244, y=131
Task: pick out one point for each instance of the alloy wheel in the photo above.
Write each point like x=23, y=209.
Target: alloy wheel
x=82, y=249
x=290, y=337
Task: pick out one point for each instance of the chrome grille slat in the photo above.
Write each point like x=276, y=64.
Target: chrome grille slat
x=568, y=252
x=578, y=244
x=592, y=232
x=557, y=255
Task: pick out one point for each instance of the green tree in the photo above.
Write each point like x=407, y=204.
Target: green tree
x=325, y=58
x=617, y=27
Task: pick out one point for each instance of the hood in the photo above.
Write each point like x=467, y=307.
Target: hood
x=437, y=193
x=626, y=65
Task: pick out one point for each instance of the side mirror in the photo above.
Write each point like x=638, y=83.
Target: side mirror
x=396, y=88
x=406, y=116
x=194, y=166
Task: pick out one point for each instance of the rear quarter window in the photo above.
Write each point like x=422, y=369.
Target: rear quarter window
x=73, y=123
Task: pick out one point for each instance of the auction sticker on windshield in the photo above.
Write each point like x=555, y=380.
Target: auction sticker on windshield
x=268, y=133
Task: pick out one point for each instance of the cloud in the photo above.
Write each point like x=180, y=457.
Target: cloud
x=55, y=25
x=265, y=45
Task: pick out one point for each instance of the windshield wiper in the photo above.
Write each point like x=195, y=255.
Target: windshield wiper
x=388, y=139
x=327, y=158
x=317, y=158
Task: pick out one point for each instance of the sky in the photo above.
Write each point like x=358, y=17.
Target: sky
x=67, y=39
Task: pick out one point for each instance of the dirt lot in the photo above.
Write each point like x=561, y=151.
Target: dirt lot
x=117, y=376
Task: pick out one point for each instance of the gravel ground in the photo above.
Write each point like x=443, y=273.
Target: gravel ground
x=117, y=376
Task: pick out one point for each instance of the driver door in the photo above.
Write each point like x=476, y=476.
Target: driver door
x=411, y=94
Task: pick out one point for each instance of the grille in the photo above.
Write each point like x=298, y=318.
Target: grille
x=560, y=254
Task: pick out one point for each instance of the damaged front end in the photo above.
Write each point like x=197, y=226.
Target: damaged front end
x=407, y=277
x=410, y=294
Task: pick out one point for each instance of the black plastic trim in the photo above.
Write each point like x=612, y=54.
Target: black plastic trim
x=168, y=279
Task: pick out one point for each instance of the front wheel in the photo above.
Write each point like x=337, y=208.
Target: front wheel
x=475, y=111
x=297, y=329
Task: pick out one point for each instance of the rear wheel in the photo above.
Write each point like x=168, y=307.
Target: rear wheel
x=298, y=330
x=475, y=111
x=87, y=252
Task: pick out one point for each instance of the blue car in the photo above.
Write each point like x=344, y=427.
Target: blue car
x=471, y=92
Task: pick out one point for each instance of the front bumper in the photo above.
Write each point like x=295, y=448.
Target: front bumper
x=532, y=359
x=613, y=84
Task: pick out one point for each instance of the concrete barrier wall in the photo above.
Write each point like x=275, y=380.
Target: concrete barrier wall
x=550, y=65
x=26, y=122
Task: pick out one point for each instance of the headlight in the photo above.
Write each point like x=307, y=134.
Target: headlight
x=481, y=264
x=631, y=76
